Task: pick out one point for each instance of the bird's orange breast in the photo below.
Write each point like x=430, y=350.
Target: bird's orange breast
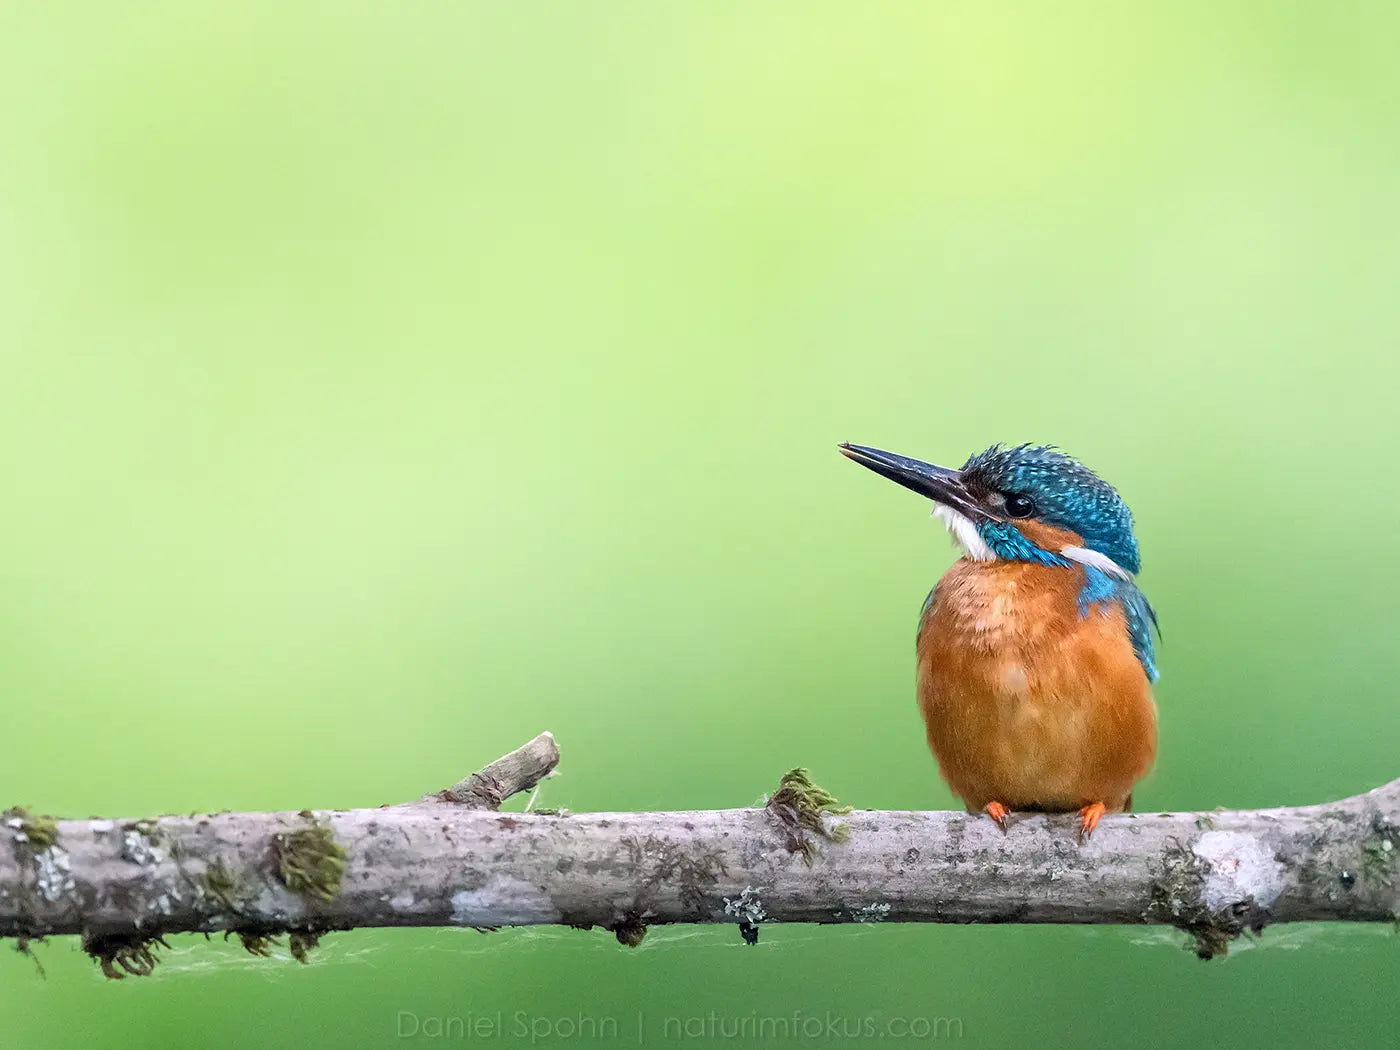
x=1030, y=701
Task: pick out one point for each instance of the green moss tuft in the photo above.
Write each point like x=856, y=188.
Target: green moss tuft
x=301, y=943
x=630, y=931
x=134, y=953
x=255, y=942
x=799, y=807
x=310, y=862
x=1378, y=860
x=220, y=884
x=33, y=832
x=809, y=796
x=1178, y=898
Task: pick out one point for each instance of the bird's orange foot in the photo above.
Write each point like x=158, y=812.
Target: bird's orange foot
x=1089, y=818
x=998, y=813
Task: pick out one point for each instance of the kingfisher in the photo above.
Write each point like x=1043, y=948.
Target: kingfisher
x=1035, y=650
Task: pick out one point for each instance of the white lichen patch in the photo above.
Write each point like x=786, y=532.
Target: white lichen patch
x=54, y=874
x=139, y=849
x=402, y=901
x=746, y=907
x=873, y=912
x=101, y=827
x=503, y=901
x=1240, y=867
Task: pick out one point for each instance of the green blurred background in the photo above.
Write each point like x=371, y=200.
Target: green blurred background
x=383, y=384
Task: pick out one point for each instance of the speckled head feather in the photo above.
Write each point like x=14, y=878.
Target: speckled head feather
x=1066, y=494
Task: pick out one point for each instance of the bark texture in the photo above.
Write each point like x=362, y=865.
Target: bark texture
x=450, y=859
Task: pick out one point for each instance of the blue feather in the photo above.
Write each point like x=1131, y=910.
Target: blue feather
x=1142, y=621
x=1010, y=544
x=1098, y=587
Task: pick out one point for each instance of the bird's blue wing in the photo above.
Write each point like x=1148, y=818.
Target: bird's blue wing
x=1142, y=619
x=1142, y=622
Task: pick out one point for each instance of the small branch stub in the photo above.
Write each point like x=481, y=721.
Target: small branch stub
x=509, y=775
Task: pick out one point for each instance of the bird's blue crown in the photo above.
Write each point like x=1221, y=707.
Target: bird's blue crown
x=1065, y=493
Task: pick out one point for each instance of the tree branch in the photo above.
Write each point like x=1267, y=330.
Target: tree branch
x=122, y=884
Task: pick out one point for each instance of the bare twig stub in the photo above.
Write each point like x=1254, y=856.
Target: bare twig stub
x=122, y=884
x=509, y=775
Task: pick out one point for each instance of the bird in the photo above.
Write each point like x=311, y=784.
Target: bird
x=1035, y=651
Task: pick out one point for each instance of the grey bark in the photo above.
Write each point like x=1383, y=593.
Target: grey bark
x=120, y=883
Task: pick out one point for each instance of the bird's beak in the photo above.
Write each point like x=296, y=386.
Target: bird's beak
x=939, y=484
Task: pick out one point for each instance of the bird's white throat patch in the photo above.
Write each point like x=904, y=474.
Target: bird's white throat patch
x=1097, y=560
x=964, y=531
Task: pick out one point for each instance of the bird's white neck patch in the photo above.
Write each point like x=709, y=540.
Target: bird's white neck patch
x=964, y=531
x=1097, y=560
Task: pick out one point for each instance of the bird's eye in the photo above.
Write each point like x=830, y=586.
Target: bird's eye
x=1019, y=506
